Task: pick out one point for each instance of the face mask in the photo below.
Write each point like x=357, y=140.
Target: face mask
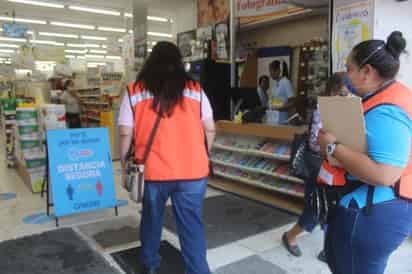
x=348, y=84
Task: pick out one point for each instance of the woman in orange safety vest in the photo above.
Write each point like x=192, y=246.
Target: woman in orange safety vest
x=374, y=216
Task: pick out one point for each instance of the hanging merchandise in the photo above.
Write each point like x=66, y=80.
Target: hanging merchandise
x=222, y=41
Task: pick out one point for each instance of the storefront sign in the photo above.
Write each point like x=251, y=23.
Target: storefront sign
x=253, y=11
x=210, y=12
x=80, y=169
x=352, y=24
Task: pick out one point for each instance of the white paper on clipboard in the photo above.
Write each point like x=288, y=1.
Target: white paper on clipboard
x=343, y=117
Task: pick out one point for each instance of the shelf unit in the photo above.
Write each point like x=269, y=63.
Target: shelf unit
x=248, y=155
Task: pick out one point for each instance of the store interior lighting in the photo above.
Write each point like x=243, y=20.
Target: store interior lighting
x=45, y=42
x=150, y=18
x=72, y=25
x=71, y=45
x=62, y=35
x=6, y=51
x=110, y=57
x=94, y=56
x=39, y=3
x=98, y=51
x=22, y=20
x=97, y=38
x=94, y=10
x=75, y=51
x=2, y=45
x=13, y=39
x=111, y=29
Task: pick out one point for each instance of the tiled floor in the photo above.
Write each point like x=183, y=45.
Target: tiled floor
x=266, y=245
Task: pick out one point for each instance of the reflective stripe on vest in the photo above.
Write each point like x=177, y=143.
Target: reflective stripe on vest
x=178, y=151
x=398, y=95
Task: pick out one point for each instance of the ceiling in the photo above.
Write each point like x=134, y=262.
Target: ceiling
x=158, y=8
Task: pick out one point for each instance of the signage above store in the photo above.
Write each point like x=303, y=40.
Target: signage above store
x=14, y=30
x=254, y=11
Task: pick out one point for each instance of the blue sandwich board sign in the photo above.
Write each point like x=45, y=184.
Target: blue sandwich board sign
x=80, y=170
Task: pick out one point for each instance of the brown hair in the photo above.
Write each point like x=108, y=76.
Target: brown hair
x=334, y=84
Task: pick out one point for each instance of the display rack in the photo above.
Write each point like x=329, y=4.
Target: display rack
x=250, y=159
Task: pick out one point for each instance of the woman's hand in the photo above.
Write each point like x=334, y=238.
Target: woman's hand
x=324, y=139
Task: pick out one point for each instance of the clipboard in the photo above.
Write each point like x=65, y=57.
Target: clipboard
x=344, y=118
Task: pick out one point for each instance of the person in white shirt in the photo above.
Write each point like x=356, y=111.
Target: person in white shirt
x=71, y=102
x=262, y=90
x=282, y=89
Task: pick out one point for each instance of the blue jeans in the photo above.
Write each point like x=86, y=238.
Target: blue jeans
x=357, y=243
x=187, y=200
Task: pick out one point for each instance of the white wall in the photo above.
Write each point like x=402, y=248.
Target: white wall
x=390, y=16
x=185, y=17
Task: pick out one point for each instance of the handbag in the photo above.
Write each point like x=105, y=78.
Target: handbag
x=135, y=170
x=304, y=163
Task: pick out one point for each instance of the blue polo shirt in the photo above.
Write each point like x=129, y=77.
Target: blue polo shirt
x=388, y=134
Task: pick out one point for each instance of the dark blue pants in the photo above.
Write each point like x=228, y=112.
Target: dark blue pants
x=307, y=219
x=357, y=243
x=187, y=200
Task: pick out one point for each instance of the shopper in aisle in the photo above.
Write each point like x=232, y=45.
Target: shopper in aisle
x=282, y=89
x=262, y=90
x=71, y=102
x=307, y=221
x=372, y=219
x=177, y=165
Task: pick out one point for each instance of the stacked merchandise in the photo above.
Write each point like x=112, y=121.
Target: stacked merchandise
x=9, y=124
x=264, y=146
x=256, y=169
x=52, y=117
x=29, y=147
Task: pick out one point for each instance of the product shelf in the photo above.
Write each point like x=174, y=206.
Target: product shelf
x=260, y=171
x=258, y=184
x=253, y=152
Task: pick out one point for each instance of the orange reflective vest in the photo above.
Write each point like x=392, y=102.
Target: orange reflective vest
x=395, y=94
x=178, y=151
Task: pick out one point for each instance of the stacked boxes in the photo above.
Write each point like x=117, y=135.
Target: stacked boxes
x=29, y=146
x=9, y=124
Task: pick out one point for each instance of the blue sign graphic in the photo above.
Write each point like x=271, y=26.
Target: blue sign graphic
x=7, y=196
x=14, y=30
x=81, y=173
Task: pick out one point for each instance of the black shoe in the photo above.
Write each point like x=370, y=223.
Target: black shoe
x=293, y=249
x=322, y=256
x=149, y=271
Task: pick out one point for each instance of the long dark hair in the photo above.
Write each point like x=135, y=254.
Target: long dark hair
x=163, y=75
x=384, y=57
x=275, y=65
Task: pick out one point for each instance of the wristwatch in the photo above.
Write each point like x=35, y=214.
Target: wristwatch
x=330, y=148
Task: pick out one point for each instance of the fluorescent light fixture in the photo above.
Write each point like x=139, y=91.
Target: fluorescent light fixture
x=52, y=34
x=13, y=39
x=71, y=25
x=120, y=40
x=98, y=51
x=70, y=56
x=150, y=18
x=38, y=3
x=23, y=20
x=113, y=57
x=83, y=45
x=98, y=38
x=75, y=51
x=45, y=62
x=94, y=56
x=30, y=32
x=9, y=46
x=93, y=10
x=154, y=43
x=111, y=29
x=159, y=34
x=81, y=57
x=156, y=18
x=6, y=51
x=149, y=50
x=131, y=31
x=45, y=42
x=104, y=47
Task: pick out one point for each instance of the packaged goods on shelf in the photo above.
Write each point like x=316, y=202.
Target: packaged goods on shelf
x=52, y=116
